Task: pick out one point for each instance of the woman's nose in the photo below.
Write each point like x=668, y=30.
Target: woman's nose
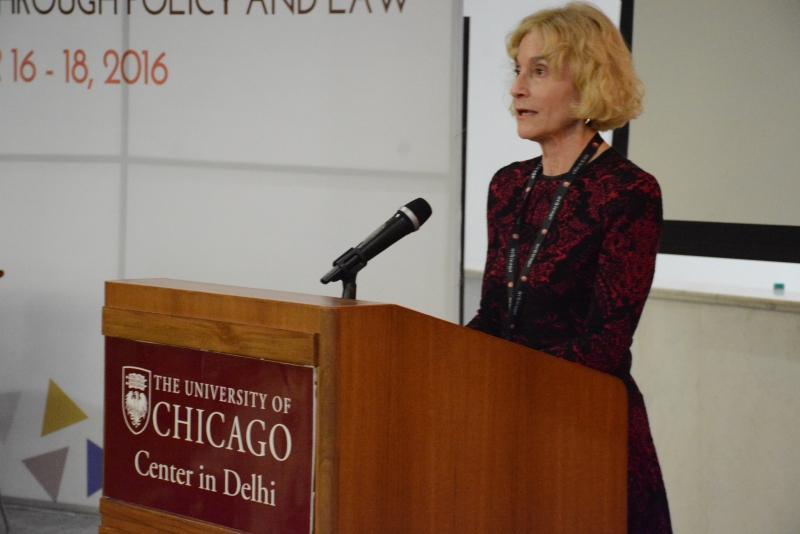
x=518, y=87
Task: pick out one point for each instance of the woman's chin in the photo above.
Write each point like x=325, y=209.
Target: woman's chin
x=527, y=133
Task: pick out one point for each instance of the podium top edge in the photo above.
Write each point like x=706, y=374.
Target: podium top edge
x=245, y=292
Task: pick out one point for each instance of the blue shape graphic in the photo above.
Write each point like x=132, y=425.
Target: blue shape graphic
x=94, y=468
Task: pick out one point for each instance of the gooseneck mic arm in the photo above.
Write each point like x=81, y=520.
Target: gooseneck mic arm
x=406, y=220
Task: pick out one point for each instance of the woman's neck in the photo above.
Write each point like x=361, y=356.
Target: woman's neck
x=560, y=151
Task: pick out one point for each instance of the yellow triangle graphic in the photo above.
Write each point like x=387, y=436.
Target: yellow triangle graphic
x=60, y=411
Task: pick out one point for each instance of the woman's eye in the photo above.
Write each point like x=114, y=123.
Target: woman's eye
x=516, y=71
x=540, y=71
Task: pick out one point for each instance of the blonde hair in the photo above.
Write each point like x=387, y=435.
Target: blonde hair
x=581, y=37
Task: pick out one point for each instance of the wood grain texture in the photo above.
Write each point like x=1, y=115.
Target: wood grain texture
x=273, y=309
x=443, y=429
x=422, y=425
x=326, y=505
x=204, y=334
x=123, y=518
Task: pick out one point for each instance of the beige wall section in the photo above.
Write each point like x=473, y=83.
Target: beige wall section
x=721, y=112
x=721, y=383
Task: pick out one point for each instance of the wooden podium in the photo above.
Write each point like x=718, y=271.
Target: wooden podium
x=419, y=425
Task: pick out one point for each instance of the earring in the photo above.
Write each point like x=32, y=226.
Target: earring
x=587, y=122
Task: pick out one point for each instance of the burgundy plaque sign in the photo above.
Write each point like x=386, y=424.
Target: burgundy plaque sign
x=219, y=438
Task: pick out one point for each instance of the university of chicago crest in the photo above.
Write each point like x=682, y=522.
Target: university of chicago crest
x=136, y=398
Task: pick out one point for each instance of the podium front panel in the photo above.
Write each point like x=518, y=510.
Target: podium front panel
x=215, y=437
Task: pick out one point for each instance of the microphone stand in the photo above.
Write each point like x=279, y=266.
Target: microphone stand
x=349, y=286
x=345, y=268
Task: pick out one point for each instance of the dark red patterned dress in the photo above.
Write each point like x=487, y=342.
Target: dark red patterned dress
x=586, y=291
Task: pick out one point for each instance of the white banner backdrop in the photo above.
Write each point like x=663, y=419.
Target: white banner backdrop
x=245, y=149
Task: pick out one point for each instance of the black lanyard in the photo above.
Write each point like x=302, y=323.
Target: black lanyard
x=515, y=284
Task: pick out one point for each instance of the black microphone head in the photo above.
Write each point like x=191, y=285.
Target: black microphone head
x=421, y=209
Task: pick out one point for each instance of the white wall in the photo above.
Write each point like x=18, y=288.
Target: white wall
x=277, y=142
x=728, y=276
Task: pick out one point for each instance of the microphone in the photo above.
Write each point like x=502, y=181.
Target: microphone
x=406, y=220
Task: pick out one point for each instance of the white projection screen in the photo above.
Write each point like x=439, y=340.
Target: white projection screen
x=721, y=110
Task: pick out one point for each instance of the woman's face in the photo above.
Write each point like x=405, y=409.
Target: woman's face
x=543, y=96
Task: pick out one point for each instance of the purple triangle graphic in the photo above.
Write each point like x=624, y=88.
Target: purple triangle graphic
x=94, y=467
x=8, y=407
x=48, y=470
